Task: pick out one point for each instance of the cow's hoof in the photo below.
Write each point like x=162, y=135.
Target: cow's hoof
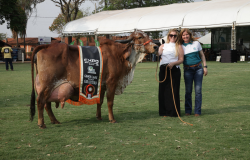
x=42, y=126
x=113, y=121
x=99, y=118
x=55, y=122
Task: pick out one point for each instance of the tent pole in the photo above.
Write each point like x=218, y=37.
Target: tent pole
x=96, y=35
x=233, y=36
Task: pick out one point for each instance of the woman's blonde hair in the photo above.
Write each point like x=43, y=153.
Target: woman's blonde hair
x=176, y=46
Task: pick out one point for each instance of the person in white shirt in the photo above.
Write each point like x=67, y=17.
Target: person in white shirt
x=171, y=57
x=193, y=71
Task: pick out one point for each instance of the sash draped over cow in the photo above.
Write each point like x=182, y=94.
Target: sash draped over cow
x=91, y=68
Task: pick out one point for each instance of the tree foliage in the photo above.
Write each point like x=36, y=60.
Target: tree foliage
x=2, y=36
x=59, y=21
x=27, y=7
x=17, y=13
x=128, y=4
x=7, y=8
x=69, y=13
x=18, y=22
x=10, y=11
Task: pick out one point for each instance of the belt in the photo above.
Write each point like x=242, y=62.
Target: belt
x=165, y=64
x=193, y=65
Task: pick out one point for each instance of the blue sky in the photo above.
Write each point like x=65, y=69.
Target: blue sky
x=46, y=13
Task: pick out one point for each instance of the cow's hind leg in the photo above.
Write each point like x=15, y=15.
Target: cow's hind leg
x=110, y=98
x=99, y=105
x=40, y=109
x=51, y=114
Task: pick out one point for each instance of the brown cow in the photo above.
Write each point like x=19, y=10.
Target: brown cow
x=57, y=73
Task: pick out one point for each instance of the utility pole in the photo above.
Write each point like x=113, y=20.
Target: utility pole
x=95, y=8
x=6, y=39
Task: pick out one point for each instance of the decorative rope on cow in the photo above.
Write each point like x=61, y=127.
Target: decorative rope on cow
x=172, y=90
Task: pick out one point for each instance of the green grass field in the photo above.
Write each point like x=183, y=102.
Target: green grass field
x=221, y=132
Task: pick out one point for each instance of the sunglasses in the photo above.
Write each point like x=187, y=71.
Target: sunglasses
x=171, y=35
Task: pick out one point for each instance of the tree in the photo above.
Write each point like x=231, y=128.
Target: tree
x=128, y=4
x=68, y=13
x=10, y=11
x=200, y=32
x=59, y=21
x=18, y=21
x=27, y=7
x=6, y=10
x=2, y=36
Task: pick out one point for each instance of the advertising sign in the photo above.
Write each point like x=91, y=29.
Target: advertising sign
x=44, y=40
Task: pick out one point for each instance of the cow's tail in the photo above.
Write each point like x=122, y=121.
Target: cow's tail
x=33, y=94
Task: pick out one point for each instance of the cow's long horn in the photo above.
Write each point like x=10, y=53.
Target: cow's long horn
x=130, y=38
x=124, y=41
x=157, y=42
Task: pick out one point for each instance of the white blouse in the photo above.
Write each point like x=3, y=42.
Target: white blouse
x=168, y=54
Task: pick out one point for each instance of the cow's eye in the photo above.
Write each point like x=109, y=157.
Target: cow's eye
x=140, y=38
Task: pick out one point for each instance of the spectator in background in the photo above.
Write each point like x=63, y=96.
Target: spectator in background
x=206, y=53
x=6, y=50
x=153, y=57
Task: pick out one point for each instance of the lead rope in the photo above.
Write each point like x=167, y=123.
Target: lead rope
x=172, y=90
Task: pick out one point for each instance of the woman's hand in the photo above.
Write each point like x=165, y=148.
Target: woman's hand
x=160, y=49
x=205, y=71
x=204, y=62
x=170, y=65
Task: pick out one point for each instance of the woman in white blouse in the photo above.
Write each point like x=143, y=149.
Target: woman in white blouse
x=171, y=57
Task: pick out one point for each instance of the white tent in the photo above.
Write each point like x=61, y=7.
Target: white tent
x=206, y=14
x=205, y=39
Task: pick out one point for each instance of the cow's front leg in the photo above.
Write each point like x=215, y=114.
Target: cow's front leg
x=99, y=105
x=51, y=114
x=40, y=109
x=110, y=99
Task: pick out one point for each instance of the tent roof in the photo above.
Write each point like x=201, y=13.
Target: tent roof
x=205, y=14
x=205, y=39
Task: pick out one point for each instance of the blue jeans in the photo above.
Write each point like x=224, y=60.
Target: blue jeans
x=7, y=62
x=193, y=74
x=153, y=57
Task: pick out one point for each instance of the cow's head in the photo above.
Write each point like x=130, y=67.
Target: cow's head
x=141, y=41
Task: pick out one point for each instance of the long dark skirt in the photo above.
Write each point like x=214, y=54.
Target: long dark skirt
x=166, y=103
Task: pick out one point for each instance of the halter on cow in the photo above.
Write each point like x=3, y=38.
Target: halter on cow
x=57, y=73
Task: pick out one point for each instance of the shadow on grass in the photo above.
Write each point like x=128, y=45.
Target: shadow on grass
x=243, y=108
x=135, y=92
x=125, y=117
x=119, y=117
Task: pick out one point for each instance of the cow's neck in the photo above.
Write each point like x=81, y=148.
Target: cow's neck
x=134, y=56
x=127, y=79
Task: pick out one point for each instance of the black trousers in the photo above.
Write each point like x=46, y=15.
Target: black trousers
x=166, y=103
x=7, y=62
